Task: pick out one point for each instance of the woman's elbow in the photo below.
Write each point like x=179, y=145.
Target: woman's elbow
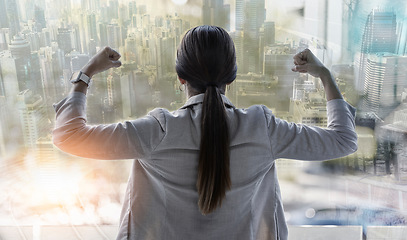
x=58, y=140
x=350, y=142
x=353, y=146
x=64, y=140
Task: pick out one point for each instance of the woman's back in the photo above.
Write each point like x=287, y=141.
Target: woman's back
x=207, y=170
x=162, y=186
x=166, y=205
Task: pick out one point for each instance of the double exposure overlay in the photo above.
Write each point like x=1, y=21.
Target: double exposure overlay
x=42, y=42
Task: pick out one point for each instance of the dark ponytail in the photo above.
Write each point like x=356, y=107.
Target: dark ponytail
x=206, y=59
x=213, y=169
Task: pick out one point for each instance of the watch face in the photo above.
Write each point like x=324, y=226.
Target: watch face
x=79, y=76
x=75, y=76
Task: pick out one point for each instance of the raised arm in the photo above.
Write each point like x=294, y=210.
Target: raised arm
x=307, y=62
x=302, y=142
x=103, y=60
x=298, y=141
x=131, y=139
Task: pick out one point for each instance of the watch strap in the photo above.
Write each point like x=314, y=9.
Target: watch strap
x=82, y=77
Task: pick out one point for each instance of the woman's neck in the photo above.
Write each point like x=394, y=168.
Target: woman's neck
x=190, y=92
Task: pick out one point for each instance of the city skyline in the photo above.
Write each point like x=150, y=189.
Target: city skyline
x=43, y=42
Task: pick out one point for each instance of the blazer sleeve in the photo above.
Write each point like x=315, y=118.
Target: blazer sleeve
x=127, y=140
x=302, y=142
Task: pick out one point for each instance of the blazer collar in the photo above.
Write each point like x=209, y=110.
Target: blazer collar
x=198, y=99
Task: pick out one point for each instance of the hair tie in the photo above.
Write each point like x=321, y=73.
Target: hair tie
x=211, y=84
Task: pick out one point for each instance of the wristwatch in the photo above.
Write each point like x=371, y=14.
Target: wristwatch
x=80, y=76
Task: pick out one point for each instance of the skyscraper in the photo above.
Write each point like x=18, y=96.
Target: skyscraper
x=166, y=51
x=3, y=17
x=32, y=116
x=19, y=47
x=113, y=35
x=39, y=17
x=136, y=93
x=386, y=78
x=237, y=37
x=379, y=35
x=250, y=16
x=215, y=12
x=9, y=72
x=91, y=27
x=47, y=74
x=45, y=38
x=92, y=5
x=255, y=15
x=269, y=33
x=114, y=96
x=113, y=10
x=380, y=32
x=4, y=33
x=239, y=14
x=12, y=17
x=20, y=68
x=102, y=33
x=27, y=64
x=132, y=8
x=64, y=39
x=130, y=48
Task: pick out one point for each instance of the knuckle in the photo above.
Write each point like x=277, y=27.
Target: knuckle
x=106, y=48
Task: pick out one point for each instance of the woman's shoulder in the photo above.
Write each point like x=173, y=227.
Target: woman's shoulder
x=255, y=113
x=255, y=109
x=252, y=113
x=159, y=114
x=163, y=115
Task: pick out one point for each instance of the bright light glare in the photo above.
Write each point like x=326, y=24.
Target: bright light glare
x=310, y=213
x=179, y=2
x=52, y=189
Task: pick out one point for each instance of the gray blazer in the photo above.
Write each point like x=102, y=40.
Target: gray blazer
x=161, y=198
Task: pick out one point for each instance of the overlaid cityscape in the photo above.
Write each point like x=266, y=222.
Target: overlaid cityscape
x=43, y=42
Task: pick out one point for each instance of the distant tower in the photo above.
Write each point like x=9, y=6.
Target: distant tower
x=12, y=16
x=166, y=52
x=130, y=46
x=215, y=12
x=103, y=33
x=379, y=35
x=3, y=17
x=239, y=14
x=91, y=27
x=40, y=18
x=113, y=10
x=385, y=80
x=114, y=97
x=123, y=15
x=380, y=32
x=20, y=68
x=250, y=17
x=113, y=35
x=269, y=33
x=52, y=86
x=21, y=58
x=132, y=8
x=255, y=15
x=64, y=39
x=20, y=47
x=136, y=93
x=33, y=117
